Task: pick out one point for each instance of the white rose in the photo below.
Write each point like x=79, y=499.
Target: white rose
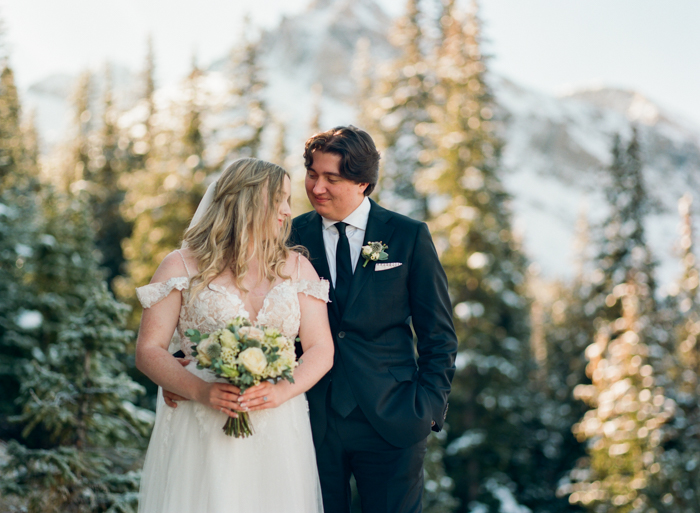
x=253, y=359
x=366, y=250
x=228, y=339
x=252, y=333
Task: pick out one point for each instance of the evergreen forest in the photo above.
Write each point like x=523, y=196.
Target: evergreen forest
x=578, y=395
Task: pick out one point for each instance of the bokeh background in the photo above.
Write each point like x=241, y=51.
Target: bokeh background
x=552, y=147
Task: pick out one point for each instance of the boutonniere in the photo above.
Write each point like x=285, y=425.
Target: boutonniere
x=374, y=251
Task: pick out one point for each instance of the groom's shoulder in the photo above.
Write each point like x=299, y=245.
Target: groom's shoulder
x=399, y=221
x=303, y=219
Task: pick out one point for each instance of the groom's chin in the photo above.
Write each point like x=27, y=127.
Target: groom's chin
x=321, y=207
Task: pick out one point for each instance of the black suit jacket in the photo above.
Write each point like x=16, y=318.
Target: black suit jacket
x=401, y=387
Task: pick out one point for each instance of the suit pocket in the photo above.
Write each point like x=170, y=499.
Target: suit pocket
x=390, y=274
x=403, y=373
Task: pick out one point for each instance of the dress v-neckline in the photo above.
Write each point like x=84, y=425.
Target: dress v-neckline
x=220, y=288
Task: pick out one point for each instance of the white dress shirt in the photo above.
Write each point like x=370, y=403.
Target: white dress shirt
x=357, y=225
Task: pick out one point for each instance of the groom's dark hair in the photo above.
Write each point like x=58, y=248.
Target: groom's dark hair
x=359, y=158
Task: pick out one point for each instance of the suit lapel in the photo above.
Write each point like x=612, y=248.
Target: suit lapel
x=311, y=236
x=377, y=230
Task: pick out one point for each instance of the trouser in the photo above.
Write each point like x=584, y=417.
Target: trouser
x=389, y=479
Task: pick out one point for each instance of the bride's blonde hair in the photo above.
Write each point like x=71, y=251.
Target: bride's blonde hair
x=241, y=217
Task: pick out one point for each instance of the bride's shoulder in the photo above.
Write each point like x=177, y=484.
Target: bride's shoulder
x=302, y=267
x=171, y=275
x=175, y=265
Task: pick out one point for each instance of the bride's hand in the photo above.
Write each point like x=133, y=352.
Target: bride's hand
x=263, y=396
x=222, y=397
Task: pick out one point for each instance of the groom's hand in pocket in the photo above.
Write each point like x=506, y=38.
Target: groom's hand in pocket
x=171, y=398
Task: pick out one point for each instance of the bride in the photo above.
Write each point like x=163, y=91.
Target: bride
x=235, y=262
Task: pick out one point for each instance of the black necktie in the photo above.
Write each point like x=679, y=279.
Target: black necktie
x=342, y=399
x=343, y=267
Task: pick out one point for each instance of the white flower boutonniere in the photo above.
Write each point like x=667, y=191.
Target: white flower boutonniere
x=374, y=251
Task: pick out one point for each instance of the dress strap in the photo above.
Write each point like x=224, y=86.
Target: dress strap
x=153, y=293
x=298, y=266
x=185, y=263
x=318, y=289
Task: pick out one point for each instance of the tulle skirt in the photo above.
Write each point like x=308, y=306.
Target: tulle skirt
x=192, y=466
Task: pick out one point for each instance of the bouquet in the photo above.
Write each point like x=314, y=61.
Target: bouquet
x=245, y=355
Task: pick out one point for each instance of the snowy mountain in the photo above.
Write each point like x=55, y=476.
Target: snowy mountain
x=556, y=147
x=555, y=159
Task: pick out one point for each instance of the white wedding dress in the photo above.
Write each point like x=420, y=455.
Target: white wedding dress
x=191, y=465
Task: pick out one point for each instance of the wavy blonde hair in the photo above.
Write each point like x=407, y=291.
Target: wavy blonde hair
x=242, y=215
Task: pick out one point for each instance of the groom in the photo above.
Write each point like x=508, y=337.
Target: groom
x=372, y=413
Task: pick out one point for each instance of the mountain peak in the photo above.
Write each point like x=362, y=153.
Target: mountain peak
x=632, y=104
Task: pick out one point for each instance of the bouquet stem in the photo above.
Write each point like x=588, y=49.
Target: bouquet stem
x=239, y=427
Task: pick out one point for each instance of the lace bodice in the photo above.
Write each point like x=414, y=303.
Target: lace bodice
x=215, y=305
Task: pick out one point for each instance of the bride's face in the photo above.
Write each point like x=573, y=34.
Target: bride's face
x=284, y=211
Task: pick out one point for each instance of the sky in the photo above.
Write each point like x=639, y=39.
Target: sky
x=550, y=45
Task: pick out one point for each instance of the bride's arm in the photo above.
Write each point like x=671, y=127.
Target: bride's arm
x=317, y=360
x=158, y=324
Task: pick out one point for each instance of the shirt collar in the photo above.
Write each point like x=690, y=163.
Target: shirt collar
x=358, y=218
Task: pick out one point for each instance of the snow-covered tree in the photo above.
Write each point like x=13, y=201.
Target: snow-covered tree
x=676, y=488
x=628, y=356
x=247, y=113
x=398, y=113
x=16, y=164
x=81, y=436
x=491, y=448
x=162, y=197
x=110, y=162
x=623, y=426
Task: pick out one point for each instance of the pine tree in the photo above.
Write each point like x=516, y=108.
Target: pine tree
x=12, y=155
x=439, y=487
x=317, y=97
x=162, y=198
x=623, y=426
x=279, y=151
x=566, y=330
x=77, y=167
x=81, y=436
x=248, y=111
x=490, y=447
x=622, y=238
x=31, y=143
x=399, y=114
x=107, y=195
x=18, y=237
x=676, y=487
x=628, y=356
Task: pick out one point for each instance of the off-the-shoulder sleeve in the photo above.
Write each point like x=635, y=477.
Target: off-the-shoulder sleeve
x=151, y=294
x=318, y=289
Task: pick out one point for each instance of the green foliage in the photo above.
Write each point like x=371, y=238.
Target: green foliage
x=77, y=435
x=19, y=235
x=247, y=109
x=69, y=480
x=162, y=197
x=111, y=162
x=397, y=113
x=627, y=356
x=676, y=486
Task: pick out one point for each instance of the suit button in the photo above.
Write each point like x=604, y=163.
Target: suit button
x=341, y=334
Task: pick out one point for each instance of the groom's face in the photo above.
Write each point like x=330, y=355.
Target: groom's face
x=331, y=195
